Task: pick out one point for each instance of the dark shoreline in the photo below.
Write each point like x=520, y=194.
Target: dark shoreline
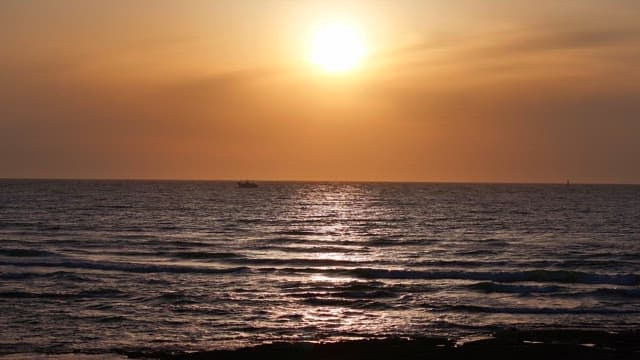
x=512, y=344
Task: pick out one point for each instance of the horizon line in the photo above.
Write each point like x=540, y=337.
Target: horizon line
x=318, y=181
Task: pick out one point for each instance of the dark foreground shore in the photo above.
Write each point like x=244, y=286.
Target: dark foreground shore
x=521, y=345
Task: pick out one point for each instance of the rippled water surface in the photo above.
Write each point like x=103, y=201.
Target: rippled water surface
x=103, y=265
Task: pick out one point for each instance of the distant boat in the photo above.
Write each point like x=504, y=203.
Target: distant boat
x=247, y=184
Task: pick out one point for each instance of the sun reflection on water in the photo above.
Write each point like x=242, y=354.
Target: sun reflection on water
x=318, y=278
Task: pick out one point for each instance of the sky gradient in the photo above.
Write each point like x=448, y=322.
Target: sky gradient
x=464, y=91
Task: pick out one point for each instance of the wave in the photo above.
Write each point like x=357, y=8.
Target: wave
x=352, y=303
x=182, y=243
x=295, y=262
x=206, y=255
x=532, y=310
x=541, y=276
x=127, y=267
x=62, y=275
x=459, y=263
x=372, y=294
x=286, y=242
x=297, y=232
x=330, y=266
x=491, y=287
x=173, y=297
x=483, y=252
x=354, y=289
x=314, y=249
x=94, y=293
x=398, y=241
x=493, y=242
x=24, y=252
x=622, y=293
x=558, y=276
x=593, y=263
x=201, y=311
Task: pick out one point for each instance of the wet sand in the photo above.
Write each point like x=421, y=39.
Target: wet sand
x=520, y=345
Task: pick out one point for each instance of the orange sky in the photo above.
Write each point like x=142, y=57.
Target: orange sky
x=477, y=91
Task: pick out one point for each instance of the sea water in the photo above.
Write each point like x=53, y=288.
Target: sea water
x=101, y=266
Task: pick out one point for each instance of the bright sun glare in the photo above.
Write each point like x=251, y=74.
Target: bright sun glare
x=337, y=47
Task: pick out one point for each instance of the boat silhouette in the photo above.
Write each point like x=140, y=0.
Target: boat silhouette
x=247, y=184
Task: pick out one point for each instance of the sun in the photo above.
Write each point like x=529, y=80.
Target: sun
x=336, y=47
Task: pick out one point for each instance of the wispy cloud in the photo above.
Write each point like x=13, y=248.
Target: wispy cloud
x=518, y=41
x=553, y=40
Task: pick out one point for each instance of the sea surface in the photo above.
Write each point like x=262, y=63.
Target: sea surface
x=98, y=267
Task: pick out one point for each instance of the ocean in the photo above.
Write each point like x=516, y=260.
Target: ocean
x=98, y=267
